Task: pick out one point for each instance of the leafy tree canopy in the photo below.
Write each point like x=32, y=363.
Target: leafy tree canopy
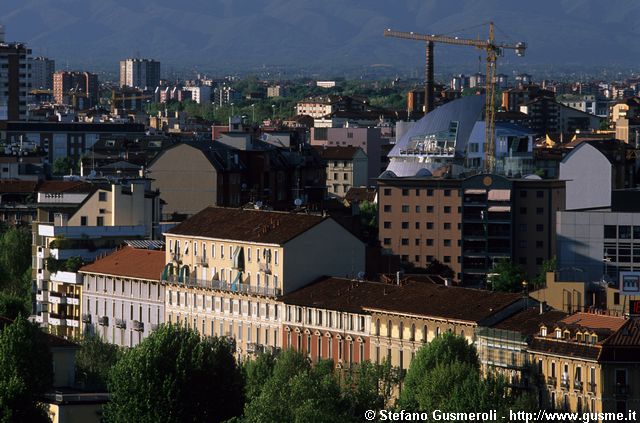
x=507, y=276
x=175, y=375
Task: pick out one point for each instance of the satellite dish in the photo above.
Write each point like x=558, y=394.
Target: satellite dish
x=258, y=205
x=297, y=202
x=361, y=275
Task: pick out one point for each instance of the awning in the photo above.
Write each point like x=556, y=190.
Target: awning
x=500, y=208
x=500, y=195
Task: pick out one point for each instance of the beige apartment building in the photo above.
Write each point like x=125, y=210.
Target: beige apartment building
x=227, y=267
x=76, y=222
x=346, y=167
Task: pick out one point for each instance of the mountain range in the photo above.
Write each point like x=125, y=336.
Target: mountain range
x=311, y=33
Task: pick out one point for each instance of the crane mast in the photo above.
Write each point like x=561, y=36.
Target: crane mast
x=492, y=50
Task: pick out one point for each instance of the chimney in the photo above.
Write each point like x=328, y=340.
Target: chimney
x=398, y=275
x=447, y=282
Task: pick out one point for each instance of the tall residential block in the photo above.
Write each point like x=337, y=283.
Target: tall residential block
x=14, y=79
x=42, y=70
x=80, y=89
x=139, y=73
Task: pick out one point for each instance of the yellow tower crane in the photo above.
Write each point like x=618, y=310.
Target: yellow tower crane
x=492, y=50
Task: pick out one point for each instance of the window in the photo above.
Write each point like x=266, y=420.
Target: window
x=417, y=225
x=387, y=208
x=610, y=231
x=388, y=328
x=404, y=241
x=386, y=191
x=539, y=227
x=429, y=225
x=102, y=196
x=405, y=225
x=83, y=220
x=540, y=194
x=430, y=241
x=523, y=227
x=523, y=194
x=417, y=244
x=405, y=192
x=447, y=259
x=523, y=210
x=429, y=209
x=417, y=209
x=522, y=243
x=624, y=232
x=386, y=225
x=430, y=192
x=447, y=209
x=447, y=193
x=100, y=221
x=405, y=209
x=447, y=243
x=386, y=241
x=417, y=192
x=447, y=226
x=539, y=210
x=539, y=244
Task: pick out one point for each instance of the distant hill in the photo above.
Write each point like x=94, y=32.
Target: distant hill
x=328, y=33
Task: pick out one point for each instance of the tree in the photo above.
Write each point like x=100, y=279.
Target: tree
x=257, y=372
x=550, y=265
x=12, y=306
x=369, y=215
x=62, y=166
x=368, y=387
x=94, y=360
x=26, y=372
x=175, y=375
x=298, y=392
x=15, y=260
x=444, y=350
x=507, y=277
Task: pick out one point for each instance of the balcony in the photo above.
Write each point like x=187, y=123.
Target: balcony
x=42, y=296
x=63, y=298
x=86, y=318
x=578, y=385
x=265, y=267
x=224, y=286
x=91, y=231
x=103, y=321
x=137, y=326
x=564, y=384
x=72, y=322
x=57, y=319
x=622, y=389
x=552, y=381
x=202, y=261
x=66, y=277
x=121, y=323
x=591, y=388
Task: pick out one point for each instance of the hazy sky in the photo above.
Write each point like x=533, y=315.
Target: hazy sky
x=325, y=34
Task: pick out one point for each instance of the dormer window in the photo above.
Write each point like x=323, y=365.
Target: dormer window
x=559, y=333
x=594, y=339
x=543, y=331
x=578, y=337
x=567, y=335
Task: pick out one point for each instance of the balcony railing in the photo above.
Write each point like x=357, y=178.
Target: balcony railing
x=591, y=387
x=564, y=383
x=103, y=321
x=121, y=323
x=552, y=381
x=86, y=318
x=224, y=286
x=138, y=326
x=577, y=385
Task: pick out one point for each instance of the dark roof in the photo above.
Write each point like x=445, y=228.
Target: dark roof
x=417, y=298
x=219, y=155
x=247, y=225
x=130, y=262
x=108, y=127
x=624, y=345
x=17, y=186
x=65, y=186
x=528, y=321
x=564, y=348
x=337, y=152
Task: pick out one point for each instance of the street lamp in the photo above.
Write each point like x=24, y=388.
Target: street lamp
x=273, y=113
x=253, y=113
x=231, y=109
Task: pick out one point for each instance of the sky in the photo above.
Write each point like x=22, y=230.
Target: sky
x=330, y=34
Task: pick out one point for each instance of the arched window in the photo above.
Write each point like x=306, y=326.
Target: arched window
x=413, y=332
x=401, y=330
x=378, y=327
x=389, y=328
x=425, y=332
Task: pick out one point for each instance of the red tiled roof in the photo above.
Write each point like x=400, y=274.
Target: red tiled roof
x=425, y=299
x=528, y=321
x=130, y=262
x=593, y=321
x=247, y=225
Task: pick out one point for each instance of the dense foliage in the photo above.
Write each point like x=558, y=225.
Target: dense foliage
x=94, y=361
x=25, y=372
x=507, y=277
x=174, y=375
